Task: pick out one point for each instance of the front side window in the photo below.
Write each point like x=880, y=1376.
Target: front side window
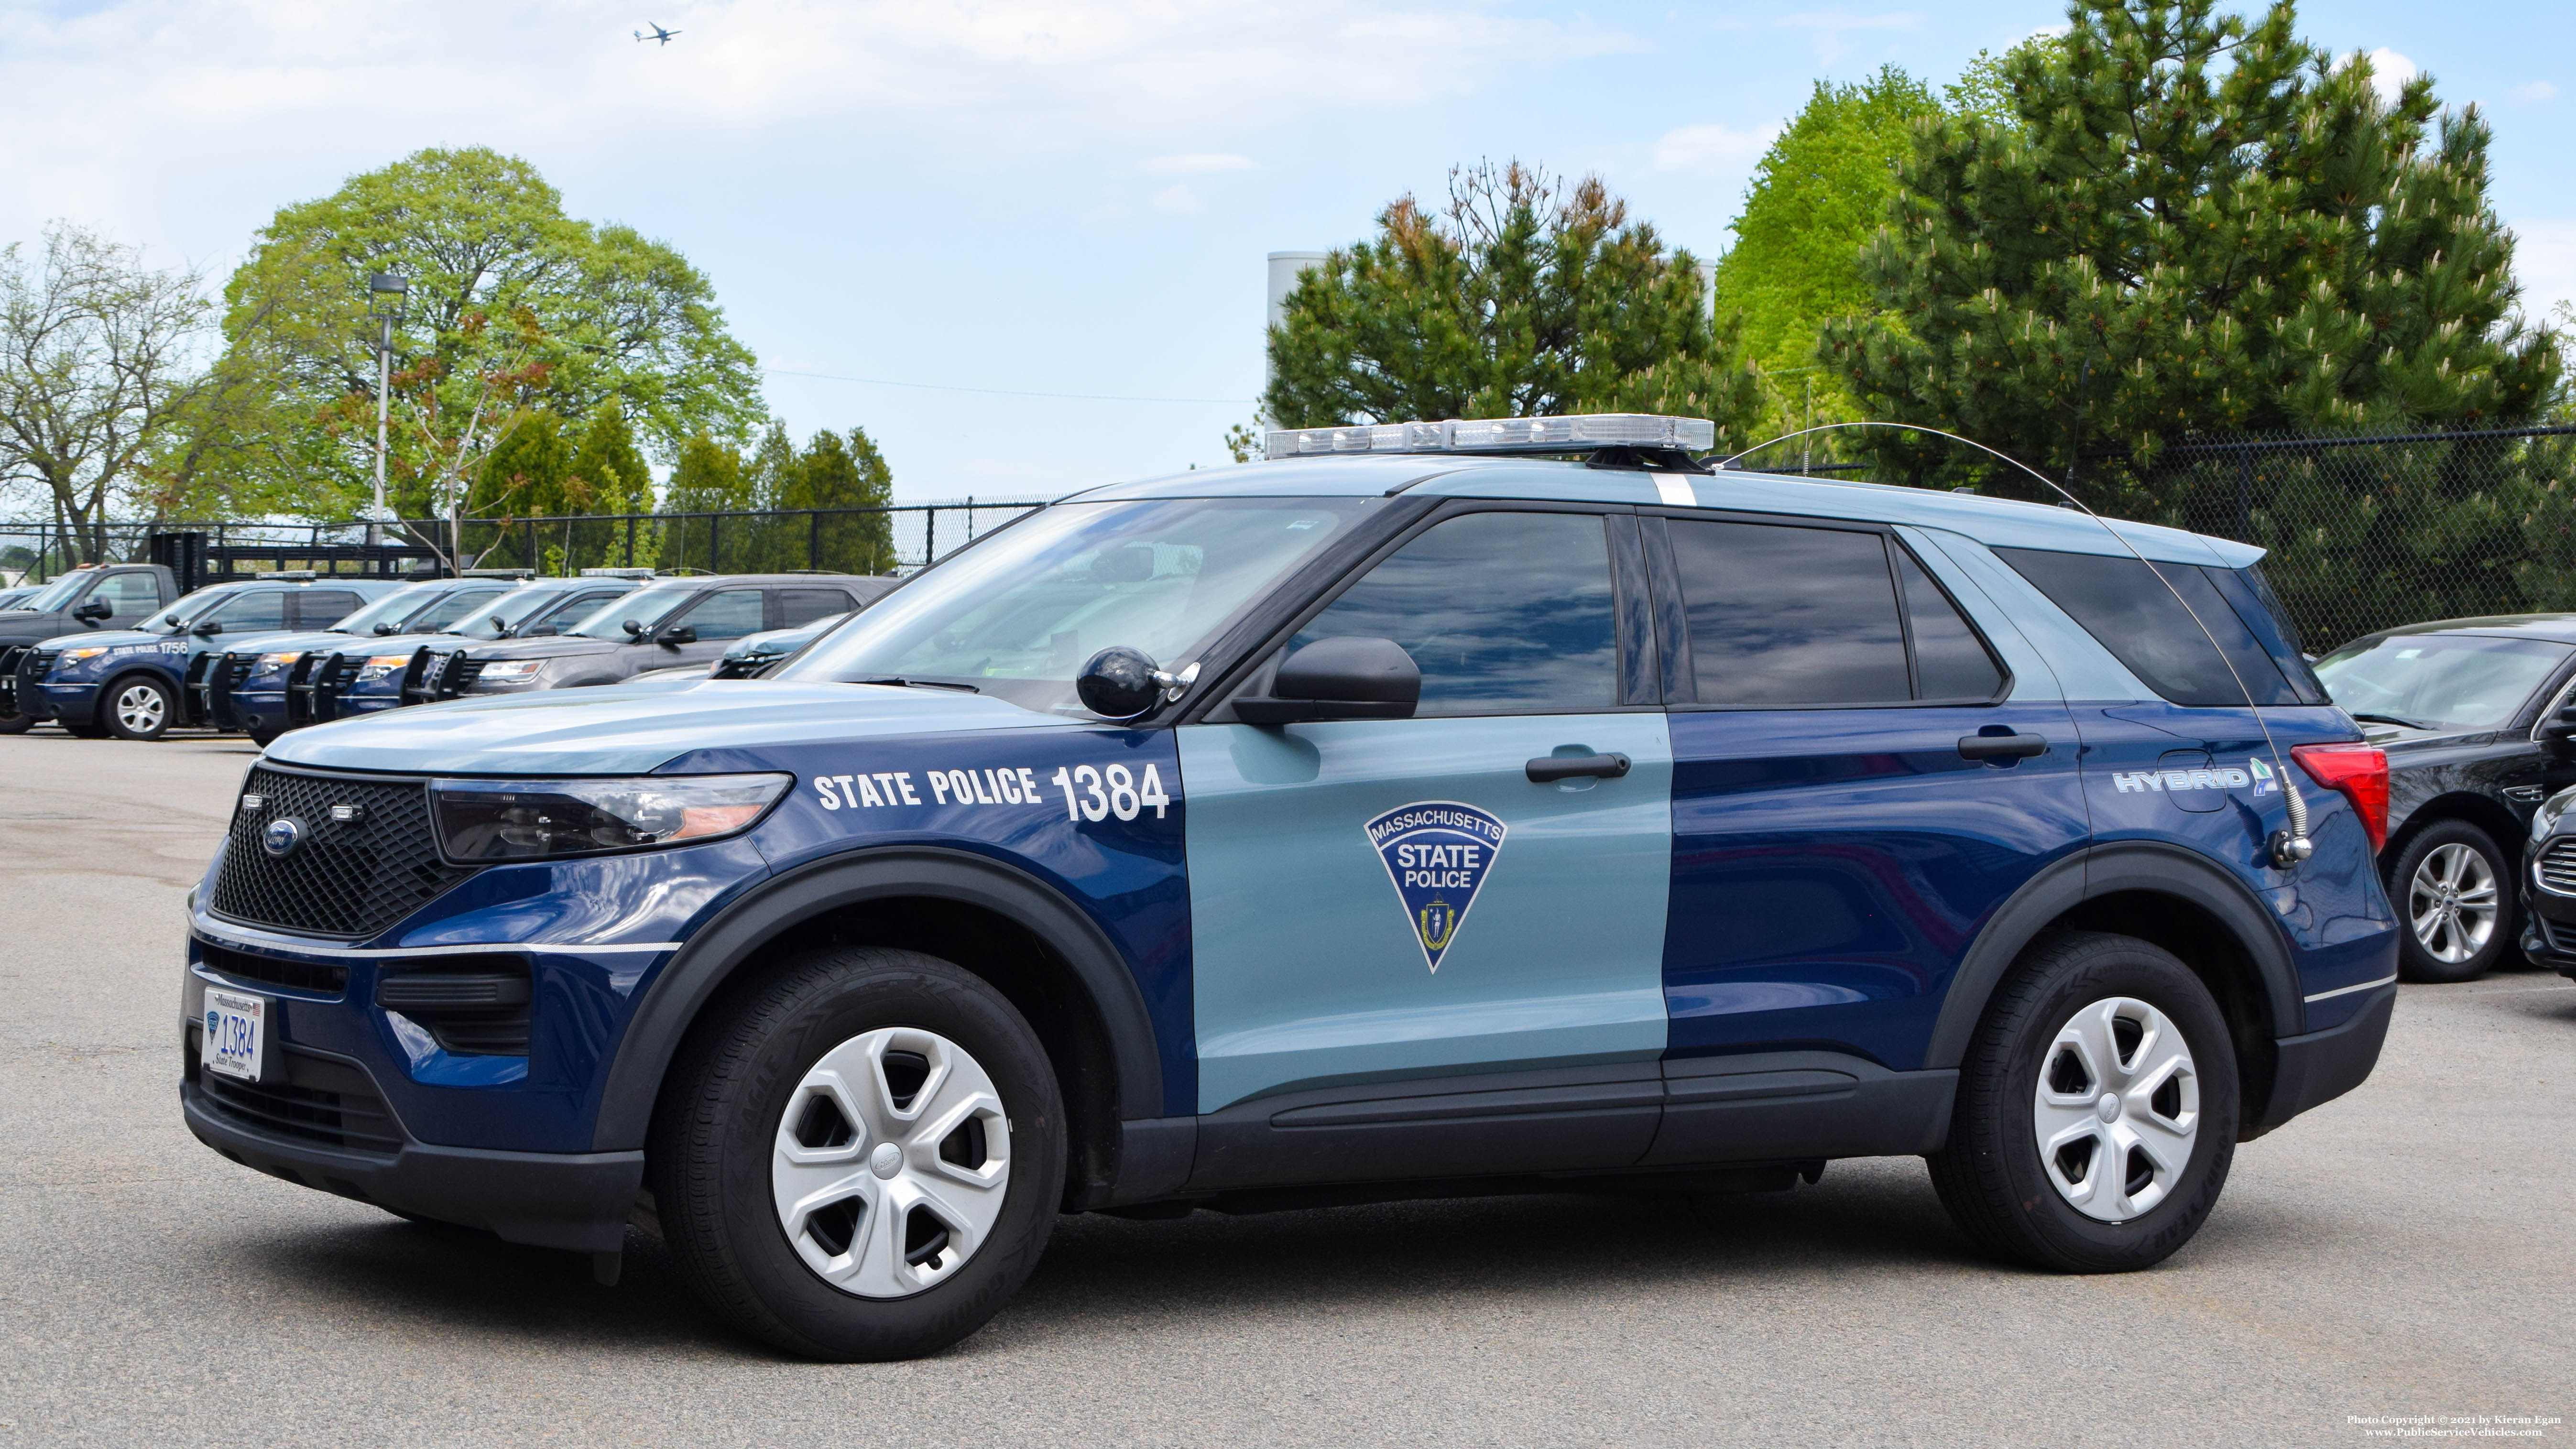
x=129, y=594
x=1019, y=613
x=729, y=614
x=2451, y=683
x=1504, y=613
x=247, y=612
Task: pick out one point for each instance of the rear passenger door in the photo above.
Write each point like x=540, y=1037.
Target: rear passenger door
x=1857, y=786
x=800, y=607
x=1409, y=958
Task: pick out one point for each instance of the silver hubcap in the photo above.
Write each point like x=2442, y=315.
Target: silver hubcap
x=2453, y=903
x=139, y=708
x=892, y=1161
x=2118, y=1109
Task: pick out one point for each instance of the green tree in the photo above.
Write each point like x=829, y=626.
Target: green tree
x=1820, y=193
x=2190, y=222
x=482, y=238
x=607, y=476
x=1510, y=303
x=522, y=477
x=709, y=478
x=835, y=472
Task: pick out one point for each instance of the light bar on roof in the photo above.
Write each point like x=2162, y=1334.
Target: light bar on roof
x=1572, y=433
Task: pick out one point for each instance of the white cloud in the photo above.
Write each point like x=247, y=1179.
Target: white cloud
x=1712, y=150
x=2390, y=71
x=1177, y=201
x=2532, y=93
x=1199, y=163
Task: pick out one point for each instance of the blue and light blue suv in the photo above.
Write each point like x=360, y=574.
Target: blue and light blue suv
x=1404, y=816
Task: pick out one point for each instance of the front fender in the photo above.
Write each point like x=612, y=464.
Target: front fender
x=682, y=989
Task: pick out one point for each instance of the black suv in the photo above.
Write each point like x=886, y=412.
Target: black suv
x=667, y=622
x=2458, y=705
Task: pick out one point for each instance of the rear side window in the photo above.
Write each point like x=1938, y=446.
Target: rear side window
x=1783, y=617
x=2129, y=608
x=800, y=607
x=248, y=611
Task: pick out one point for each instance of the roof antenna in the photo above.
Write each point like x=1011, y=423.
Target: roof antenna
x=2287, y=847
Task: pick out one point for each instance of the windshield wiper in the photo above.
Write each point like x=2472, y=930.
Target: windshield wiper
x=2392, y=719
x=897, y=679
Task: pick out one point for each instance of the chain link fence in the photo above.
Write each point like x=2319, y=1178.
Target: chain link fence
x=898, y=539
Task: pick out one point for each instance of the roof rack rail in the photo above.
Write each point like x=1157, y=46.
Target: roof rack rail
x=1563, y=433
x=617, y=573
x=499, y=574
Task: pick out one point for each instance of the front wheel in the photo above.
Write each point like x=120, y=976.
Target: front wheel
x=860, y=1157
x=15, y=724
x=2450, y=884
x=2097, y=1109
x=138, y=707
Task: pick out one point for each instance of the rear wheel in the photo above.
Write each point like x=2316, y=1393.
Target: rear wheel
x=2450, y=885
x=2097, y=1109
x=137, y=707
x=861, y=1157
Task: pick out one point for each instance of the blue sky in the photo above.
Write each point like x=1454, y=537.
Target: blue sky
x=1067, y=198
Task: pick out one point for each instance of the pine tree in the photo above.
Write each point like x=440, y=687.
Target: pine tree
x=851, y=473
x=1510, y=303
x=522, y=477
x=607, y=476
x=2190, y=223
x=708, y=479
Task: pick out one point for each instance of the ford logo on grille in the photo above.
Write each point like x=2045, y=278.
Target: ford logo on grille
x=282, y=835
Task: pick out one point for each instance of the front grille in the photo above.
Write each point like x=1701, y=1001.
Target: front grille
x=235, y=965
x=41, y=661
x=462, y=675
x=348, y=879
x=322, y=1100
x=2556, y=868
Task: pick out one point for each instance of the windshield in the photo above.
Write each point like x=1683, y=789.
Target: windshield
x=645, y=606
x=512, y=609
x=1018, y=614
x=188, y=610
x=2454, y=683
x=56, y=594
x=393, y=608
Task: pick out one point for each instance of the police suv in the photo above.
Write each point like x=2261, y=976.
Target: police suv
x=1405, y=816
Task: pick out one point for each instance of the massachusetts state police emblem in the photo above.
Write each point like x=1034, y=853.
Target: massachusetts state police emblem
x=1437, y=852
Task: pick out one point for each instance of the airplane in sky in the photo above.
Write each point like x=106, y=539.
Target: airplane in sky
x=659, y=33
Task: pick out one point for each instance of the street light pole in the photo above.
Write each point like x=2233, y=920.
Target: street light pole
x=385, y=294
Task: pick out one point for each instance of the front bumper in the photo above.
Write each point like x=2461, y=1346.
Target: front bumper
x=72, y=704
x=2549, y=931
x=575, y=1201
x=2316, y=1068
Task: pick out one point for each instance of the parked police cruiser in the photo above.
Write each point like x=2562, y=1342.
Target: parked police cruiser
x=1402, y=816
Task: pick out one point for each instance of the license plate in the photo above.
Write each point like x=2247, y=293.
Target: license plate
x=236, y=1033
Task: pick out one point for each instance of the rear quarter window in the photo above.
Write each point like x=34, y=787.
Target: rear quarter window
x=2138, y=612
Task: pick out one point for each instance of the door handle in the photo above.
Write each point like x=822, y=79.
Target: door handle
x=1990, y=747
x=1548, y=769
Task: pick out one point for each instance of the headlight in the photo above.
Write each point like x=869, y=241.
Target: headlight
x=487, y=820
x=74, y=661
x=92, y=652
x=2545, y=819
x=271, y=663
x=380, y=666
x=510, y=671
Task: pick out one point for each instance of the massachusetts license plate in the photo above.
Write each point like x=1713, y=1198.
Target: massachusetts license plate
x=236, y=1032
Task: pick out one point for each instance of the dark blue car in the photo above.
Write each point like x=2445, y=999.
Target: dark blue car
x=132, y=684
x=1411, y=820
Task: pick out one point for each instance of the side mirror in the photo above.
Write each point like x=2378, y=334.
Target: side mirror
x=633, y=629
x=169, y=618
x=95, y=609
x=2558, y=733
x=680, y=634
x=1353, y=677
x=208, y=629
x=1120, y=683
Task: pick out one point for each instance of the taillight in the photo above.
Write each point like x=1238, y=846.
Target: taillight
x=2361, y=773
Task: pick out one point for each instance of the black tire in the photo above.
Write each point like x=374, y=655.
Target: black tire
x=2416, y=958
x=1992, y=1176
x=124, y=714
x=264, y=738
x=15, y=724
x=722, y=1110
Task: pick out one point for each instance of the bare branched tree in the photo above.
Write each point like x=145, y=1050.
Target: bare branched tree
x=100, y=356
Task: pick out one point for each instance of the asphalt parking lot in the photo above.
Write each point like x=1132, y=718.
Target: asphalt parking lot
x=2407, y=1250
